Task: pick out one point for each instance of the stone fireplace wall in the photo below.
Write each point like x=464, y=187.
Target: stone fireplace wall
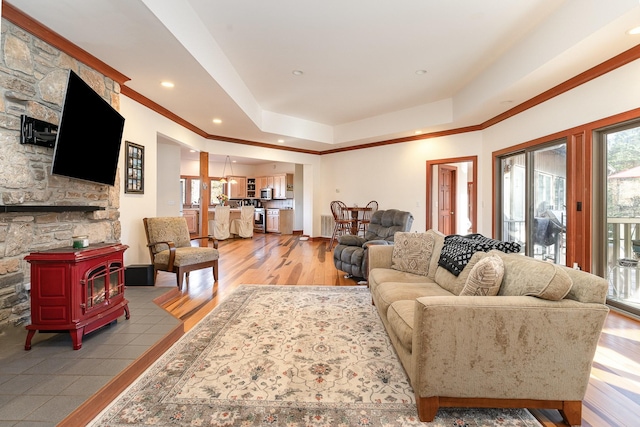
x=33, y=78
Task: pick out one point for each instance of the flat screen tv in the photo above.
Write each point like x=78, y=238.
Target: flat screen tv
x=89, y=135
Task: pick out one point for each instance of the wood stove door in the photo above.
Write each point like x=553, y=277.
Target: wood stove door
x=102, y=285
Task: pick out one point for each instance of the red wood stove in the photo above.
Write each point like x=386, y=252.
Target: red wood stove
x=76, y=290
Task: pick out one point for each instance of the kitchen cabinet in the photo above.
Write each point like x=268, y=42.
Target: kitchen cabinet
x=237, y=190
x=280, y=221
x=265, y=182
x=191, y=215
x=273, y=220
x=281, y=184
x=251, y=188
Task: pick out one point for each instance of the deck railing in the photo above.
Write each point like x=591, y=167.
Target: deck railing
x=623, y=270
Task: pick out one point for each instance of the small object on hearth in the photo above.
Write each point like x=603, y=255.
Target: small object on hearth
x=628, y=262
x=80, y=242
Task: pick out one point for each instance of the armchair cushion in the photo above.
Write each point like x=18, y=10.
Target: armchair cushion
x=187, y=256
x=167, y=229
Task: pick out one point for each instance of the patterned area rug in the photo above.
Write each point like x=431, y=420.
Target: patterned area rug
x=285, y=356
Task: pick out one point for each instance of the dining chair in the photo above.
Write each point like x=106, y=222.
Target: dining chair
x=342, y=221
x=170, y=249
x=366, y=217
x=243, y=226
x=219, y=225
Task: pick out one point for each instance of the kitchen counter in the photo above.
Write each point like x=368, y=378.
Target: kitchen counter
x=233, y=214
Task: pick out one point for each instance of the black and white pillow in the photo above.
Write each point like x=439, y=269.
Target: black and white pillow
x=456, y=253
x=486, y=244
x=458, y=250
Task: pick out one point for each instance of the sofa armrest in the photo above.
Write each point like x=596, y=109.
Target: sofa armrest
x=380, y=256
x=504, y=347
x=376, y=242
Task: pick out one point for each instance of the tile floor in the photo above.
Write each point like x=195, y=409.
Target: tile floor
x=42, y=386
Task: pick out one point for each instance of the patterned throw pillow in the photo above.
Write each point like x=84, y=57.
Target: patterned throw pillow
x=485, y=277
x=412, y=252
x=458, y=250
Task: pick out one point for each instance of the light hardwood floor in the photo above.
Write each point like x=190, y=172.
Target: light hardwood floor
x=613, y=396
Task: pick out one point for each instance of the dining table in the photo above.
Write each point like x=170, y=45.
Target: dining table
x=357, y=213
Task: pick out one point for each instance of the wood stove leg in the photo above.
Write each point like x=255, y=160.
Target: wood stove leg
x=76, y=337
x=30, y=334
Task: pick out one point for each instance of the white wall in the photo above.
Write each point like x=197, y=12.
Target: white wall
x=394, y=175
x=614, y=93
x=168, y=202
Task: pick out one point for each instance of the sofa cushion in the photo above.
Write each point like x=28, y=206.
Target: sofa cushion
x=387, y=293
x=382, y=275
x=438, y=242
x=485, y=277
x=400, y=319
x=412, y=252
x=524, y=275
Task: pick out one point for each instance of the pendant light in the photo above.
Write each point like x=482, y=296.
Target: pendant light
x=224, y=177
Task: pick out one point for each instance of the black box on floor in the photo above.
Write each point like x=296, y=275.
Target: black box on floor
x=138, y=275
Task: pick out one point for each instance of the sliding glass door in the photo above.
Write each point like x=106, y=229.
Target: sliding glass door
x=619, y=149
x=533, y=200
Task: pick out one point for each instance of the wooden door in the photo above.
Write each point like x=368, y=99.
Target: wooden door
x=446, y=199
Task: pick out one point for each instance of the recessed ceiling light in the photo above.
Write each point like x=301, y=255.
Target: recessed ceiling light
x=167, y=84
x=421, y=72
x=217, y=121
x=634, y=31
x=281, y=141
x=418, y=132
x=297, y=72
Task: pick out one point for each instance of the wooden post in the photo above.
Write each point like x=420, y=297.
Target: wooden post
x=205, y=196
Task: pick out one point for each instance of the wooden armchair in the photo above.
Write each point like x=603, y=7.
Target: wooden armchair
x=170, y=248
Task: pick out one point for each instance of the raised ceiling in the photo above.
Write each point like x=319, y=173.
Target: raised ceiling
x=371, y=71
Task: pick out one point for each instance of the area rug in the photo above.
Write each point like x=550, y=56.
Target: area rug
x=295, y=356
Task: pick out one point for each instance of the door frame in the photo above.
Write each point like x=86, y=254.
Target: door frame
x=474, y=196
x=452, y=196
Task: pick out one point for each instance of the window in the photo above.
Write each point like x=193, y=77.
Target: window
x=618, y=148
x=217, y=188
x=190, y=190
x=533, y=200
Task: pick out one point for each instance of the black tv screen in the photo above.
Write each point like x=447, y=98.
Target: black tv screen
x=89, y=135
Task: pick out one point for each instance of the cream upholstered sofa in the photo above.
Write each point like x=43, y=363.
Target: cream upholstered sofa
x=508, y=331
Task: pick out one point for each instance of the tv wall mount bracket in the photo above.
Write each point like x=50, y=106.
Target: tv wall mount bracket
x=37, y=132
